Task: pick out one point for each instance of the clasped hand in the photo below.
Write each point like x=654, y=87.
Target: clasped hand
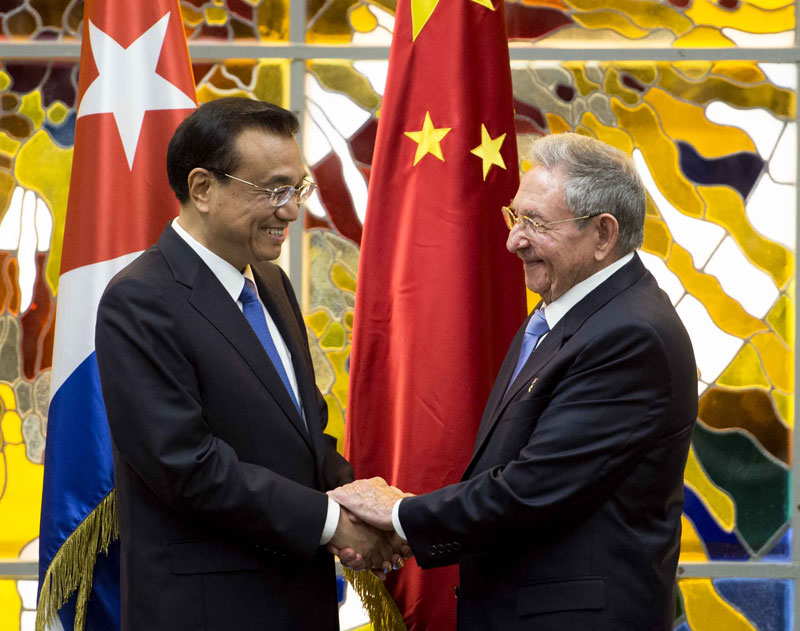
x=365, y=537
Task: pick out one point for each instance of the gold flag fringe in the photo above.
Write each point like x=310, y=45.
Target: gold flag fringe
x=72, y=566
x=377, y=600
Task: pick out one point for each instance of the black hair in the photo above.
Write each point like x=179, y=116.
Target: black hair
x=207, y=138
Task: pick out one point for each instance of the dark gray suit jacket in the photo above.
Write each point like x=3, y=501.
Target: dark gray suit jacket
x=568, y=516
x=220, y=488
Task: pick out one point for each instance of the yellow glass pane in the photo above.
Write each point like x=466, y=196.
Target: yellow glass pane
x=781, y=319
x=216, y=16
x=661, y=156
x=191, y=16
x=726, y=312
x=692, y=550
x=330, y=24
x=744, y=71
x=718, y=503
x=31, y=106
x=5, y=80
x=318, y=321
x=272, y=17
x=8, y=145
x=657, y=238
x=335, y=337
x=779, y=101
x=778, y=360
x=703, y=36
x=7, y=185
x=769, y=5
x=707, y=611
x=645, y=13
x=746, y=17
x=362, y=19
x=725, y=208
x=644, y=71
x=336, y=422
x=340, y=387
x=348, y=319
x=44, y=167
x=744, y=371
x=585, y=86
x=10, y=606
x=609, y=20
x=688, y=122
x=614, y=87
x=610, y=135
x=556, y=124
x=11, y=424
x=57, y=112
x=342, y=278
x=340, y=76
x=784, y=403
x=20, y=504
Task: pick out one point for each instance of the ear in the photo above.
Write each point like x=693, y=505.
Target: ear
x=607, y=233
x=201, y=184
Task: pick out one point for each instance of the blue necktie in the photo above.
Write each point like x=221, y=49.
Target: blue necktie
x=254, y=312
x=537, y=326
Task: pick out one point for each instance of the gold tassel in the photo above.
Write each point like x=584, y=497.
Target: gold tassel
x=72, y=566
x=377, y=600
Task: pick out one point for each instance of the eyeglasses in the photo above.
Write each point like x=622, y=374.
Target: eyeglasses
x=512, y=219
x=277, y=196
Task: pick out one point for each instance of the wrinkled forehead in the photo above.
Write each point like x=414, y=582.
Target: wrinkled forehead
x=539, y=189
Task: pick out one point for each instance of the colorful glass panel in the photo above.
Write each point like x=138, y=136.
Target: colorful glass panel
x=710, y=159
x=734, y=604
x=628, y=23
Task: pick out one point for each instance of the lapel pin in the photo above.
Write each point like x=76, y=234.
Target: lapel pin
x=535, y=379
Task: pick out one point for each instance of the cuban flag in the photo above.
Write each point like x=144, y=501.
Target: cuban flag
x=135, y=87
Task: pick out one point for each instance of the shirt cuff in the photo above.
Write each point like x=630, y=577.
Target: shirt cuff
x=398, y=527
x=331, y=522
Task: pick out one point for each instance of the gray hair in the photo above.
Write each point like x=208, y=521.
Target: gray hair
x=599, y=179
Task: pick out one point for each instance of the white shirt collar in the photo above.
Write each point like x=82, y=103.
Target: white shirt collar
x=230, y=277
x=561, y=305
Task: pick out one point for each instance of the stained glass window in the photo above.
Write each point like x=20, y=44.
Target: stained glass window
x=714, y=137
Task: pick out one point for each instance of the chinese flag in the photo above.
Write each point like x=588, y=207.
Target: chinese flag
x=439, y=297
x=135, y=87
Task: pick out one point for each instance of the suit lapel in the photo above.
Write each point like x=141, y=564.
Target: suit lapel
x=548, y=348
x=277, y=304
x=210, y=299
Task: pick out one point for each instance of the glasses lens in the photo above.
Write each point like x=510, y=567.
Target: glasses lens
x=305, y=190
x=509, y=216
x=281, y=195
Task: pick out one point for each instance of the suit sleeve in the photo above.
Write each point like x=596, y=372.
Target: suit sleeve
x=336, y=470
x=158, y=427
x=600, y=418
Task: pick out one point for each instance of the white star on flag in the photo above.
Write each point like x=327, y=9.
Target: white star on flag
x=127, y=84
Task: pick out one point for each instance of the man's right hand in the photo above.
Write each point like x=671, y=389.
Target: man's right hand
x=360, y=546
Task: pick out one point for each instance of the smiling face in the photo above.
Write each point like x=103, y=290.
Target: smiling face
x=562, y=257
x=241, y=225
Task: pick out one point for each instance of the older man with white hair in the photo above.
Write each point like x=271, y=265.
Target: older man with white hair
x=568, y=515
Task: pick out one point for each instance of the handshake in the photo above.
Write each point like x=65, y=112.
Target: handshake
x=365, y=537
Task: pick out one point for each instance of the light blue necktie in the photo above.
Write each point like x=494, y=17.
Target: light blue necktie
x=537, y=326
x=254, y=312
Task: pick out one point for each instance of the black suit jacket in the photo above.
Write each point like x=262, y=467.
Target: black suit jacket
x=220, y=487
x=568, y=516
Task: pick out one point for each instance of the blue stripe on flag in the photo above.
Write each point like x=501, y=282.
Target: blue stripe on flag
x=79, y=471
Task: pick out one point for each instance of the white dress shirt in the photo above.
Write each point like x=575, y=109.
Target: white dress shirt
x=552, y=313
x=233, y=282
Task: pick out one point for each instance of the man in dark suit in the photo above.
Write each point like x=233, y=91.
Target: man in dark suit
x=568, y=515
x=220, y=460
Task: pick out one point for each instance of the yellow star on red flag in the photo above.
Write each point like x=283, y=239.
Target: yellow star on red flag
x=421, y=11
x=489, y=151
x=428, y=139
